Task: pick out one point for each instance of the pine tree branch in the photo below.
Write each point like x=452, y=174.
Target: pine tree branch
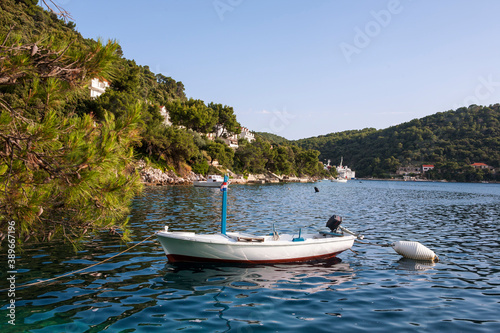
x=11, y=28
x=66, y=16
x=63, y=52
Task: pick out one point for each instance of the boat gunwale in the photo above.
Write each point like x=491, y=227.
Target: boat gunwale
x=268, y=241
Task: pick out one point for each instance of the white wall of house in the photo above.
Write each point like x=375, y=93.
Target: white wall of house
x=166, y=116
x=98, y=87
x=246, y=134
x=407, y=170
x=426, y=168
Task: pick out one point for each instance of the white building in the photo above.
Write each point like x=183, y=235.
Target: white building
x=229, y=139
x=166, y=116
x=409, y=170
x=246, y=134
x=98, y=87
x=427, y=167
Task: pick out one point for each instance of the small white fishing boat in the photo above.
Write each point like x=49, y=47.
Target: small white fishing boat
x=339, y=180
x=241, y=248
x=234, y=247
x=212, y=181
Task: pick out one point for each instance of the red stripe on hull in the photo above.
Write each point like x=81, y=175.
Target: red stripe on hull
x=178, y=258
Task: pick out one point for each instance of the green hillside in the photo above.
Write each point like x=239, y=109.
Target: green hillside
x=67, y=163
x=273, y=138
x=452, y=139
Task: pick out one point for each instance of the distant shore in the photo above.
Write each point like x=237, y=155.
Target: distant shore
x=155, y=177
x=425, y=180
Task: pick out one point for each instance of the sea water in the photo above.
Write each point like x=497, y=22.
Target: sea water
x=368, y=289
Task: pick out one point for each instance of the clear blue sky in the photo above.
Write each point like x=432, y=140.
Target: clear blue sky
x=306, y=68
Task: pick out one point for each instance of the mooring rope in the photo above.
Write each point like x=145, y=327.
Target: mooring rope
x=382, y=245
x=80, y=270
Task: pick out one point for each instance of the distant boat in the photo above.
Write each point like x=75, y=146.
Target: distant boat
x=212, y=181
x=344, y=172
x=339, y=180
x=233, y=247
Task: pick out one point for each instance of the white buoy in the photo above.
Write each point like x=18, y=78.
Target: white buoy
x=414, y=250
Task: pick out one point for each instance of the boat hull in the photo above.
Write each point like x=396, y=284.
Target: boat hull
x=202, y=183
x=189, y=247
x=212, y=181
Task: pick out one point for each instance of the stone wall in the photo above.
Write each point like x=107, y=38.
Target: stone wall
x=153, y=176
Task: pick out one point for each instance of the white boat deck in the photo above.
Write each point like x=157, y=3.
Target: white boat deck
x=236, y=238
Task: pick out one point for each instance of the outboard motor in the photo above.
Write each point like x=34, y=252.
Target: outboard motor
x=334, y=222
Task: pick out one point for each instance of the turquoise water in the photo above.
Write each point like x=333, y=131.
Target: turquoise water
x=372, y=290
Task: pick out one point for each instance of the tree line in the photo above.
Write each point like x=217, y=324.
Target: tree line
x=450, y=140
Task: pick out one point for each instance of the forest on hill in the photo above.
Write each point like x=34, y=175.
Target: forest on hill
x=67, y=163
x=273, y=138
x=450, y=140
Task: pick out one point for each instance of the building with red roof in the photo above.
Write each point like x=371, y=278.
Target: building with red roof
x=427, y=167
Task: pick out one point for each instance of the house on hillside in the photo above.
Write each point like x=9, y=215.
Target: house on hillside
x=98, y=87
x=229, y=139
x=166, y=116
x=246, y=134
x=479, y=166
x=232, y=141
x=427, y=167
x=411, y=169
x=482, y=166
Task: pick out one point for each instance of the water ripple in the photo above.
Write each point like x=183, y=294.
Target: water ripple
x=372, y=290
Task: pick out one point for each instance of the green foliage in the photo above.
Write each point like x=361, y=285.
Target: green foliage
x=283, y=161
x=273, y=138
x=251, y=158
x=453, y=171
x=28, y=2
x=173, y=145
x=62, y=175
x=464, y=136
x=193, y=114
x=307, y=162
x=221, y=152
x=200, y=167
x=167, y=90
x=225, y=118
x=67, y=176
x=262, y=157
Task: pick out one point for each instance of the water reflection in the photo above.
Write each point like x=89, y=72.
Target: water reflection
x=308, y=277
x=414, y=265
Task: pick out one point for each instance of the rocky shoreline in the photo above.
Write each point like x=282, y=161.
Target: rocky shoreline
x=156, y=177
